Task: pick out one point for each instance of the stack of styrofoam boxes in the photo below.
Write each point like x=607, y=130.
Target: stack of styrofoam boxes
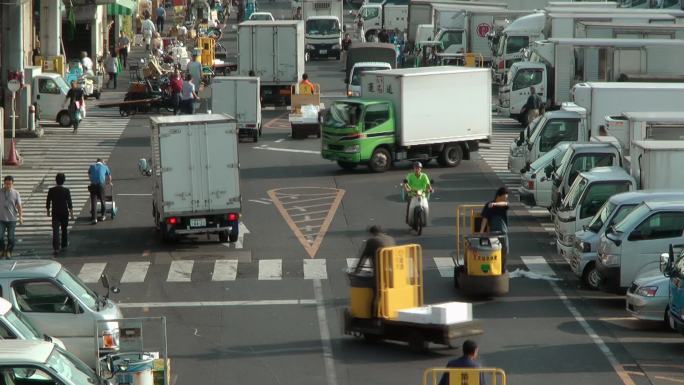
x=439, y=314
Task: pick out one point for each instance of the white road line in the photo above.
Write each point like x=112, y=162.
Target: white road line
x=91, y=272
x=445, y=265
x=271, y=302
x=225, y=270
x=135, y=272
x=538, y=264
x=279, y=140
x=324, y=329
x=288, y=150
x=315, y=269
x=260, y=201
x=180, y=271
x=270, y=269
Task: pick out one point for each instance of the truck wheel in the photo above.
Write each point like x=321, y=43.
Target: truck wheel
x=223, y=236
x=451, y=156
x=591, y=277
x=346, y=165
x=255, y=136
x=64, y=119
x=166, y=235
x=233, y=237
x=381, y=160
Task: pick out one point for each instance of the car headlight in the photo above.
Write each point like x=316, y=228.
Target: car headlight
x=336, y=46
x=504, y=103
x=610, y=259
x=354, y=148
x=310, y=46
x=647, y=291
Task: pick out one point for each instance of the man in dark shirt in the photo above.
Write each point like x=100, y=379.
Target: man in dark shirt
x=467, y=360
x=533, y=105
x=59, y=200
x=495, y=217
x=378, y=241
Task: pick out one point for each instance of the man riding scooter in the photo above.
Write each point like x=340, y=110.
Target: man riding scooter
x=417, y=184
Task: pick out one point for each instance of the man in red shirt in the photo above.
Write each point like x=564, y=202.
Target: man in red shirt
x=176, y=89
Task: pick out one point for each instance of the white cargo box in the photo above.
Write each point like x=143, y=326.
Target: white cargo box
x=439, y=314
x=237, y=96
x=435, y=104
x=657, y=164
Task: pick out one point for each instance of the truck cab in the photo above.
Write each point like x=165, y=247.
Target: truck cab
x=586, y=196
x=354, y=83
x=535, y=186
x=514, y=39
x=583, y=258
x=514, y=93
x=49, y=92
x=635, y=244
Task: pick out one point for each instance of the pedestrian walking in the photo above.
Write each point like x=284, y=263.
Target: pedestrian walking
x=346, y=43
x=59, y=207
x=533, y=105
x=87, y=63
x=112, y=68
x=161, y=15
x=148, y=29
x=359, y=30
x=10, y=211
x=98, y=174
x=495, y=218
x=76, y=98
x=195, y=69
x=188, y=96
x=467, y=361
x=176, y=90
x=124, y=45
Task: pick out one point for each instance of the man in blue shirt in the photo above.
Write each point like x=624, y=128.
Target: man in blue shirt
x=99, y=174
x=467, y=360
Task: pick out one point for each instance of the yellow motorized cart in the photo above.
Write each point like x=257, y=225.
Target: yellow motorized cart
x=386, y=302
x=465, y=376
x=480, y=257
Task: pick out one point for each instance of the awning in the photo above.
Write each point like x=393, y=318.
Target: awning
x=120, y=7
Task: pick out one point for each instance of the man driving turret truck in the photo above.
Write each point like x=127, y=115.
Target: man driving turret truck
x=377, y=241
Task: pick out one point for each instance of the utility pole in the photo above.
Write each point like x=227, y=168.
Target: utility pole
x=13, y=50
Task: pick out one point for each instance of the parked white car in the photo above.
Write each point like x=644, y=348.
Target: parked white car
x=648, y=297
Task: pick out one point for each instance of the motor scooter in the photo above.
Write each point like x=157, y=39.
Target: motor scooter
x=419, y=209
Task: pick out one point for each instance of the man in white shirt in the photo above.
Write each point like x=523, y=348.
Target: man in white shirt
x=87, y=63
x=148, y=29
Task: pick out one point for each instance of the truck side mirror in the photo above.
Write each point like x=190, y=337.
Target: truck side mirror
x=521, y=139
x=664, y=260
x=548, y=170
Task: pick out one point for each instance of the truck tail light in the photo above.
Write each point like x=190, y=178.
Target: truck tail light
x=108, y=341
x=172, y=221
x=501, y=64
x=233, y=217
x=530, y=185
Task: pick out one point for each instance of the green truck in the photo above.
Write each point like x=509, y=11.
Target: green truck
x=410, y=114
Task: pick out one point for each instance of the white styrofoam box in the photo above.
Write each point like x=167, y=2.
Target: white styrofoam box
x=419, y=315
x=451, y=313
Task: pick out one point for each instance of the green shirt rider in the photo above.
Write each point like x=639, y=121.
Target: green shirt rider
x=416, y=181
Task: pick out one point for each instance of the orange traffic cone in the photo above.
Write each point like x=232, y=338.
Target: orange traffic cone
x=13, y=158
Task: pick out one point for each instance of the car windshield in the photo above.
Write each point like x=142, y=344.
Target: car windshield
x=78, y=288
x=575, y=193
x=546, y=159
x=356, y=74
x=62, y=84
x=23, y=325
x=71, y=368
x=261, y=17
x=601, y=217
x=343, y=115
x=632, y=219
x=322, y=27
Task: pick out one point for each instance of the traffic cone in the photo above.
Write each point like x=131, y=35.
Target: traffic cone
x=13, y=158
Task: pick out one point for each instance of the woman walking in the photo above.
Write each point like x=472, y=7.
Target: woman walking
x=76, y=99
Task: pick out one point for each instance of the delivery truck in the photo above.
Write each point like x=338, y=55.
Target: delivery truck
x=238, y=96
x=195, y=166
x=632, y=126
x=403, y=115
x=323, y=28
x=273, y=51
x=378, y=16
x=557, y=64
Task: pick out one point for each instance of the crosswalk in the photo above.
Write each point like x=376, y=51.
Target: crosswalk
x=59, y=150
x=226, y=270
x=505, y=131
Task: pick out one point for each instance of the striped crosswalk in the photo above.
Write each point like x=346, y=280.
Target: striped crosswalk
x=226, y=270
x=58, y=150
x=505, y=131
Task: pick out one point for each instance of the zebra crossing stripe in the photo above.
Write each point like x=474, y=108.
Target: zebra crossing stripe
x=225, y=270
x=445, y=265
x=180, y=271
x=315, y=269
x=270, y=269
x=91, y=272
x=135, y=272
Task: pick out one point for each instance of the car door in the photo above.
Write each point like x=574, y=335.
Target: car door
x=648, y=240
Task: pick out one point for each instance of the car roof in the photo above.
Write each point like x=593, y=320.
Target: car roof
x=589, y=147
x=610, y=173
x=372, y=64
x=29, y=268
x=562, y=114
x=665, y=205
x=632, y=197
x=25, y=351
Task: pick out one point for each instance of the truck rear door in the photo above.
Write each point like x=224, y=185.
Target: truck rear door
x=223, y=177
x=247, y=102
x=179, y=169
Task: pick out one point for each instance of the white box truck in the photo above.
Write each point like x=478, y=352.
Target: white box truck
x=387, y=16
x=657, y=164
x=403, y=115
x=273, y=51
x=635, y=126
x=238, y=96
x=579, y=121
x=558, y=63
x=196, y=176
x=323, y=28
x=622, y=30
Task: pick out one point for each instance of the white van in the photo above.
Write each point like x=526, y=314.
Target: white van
x=635, y=244
x=49, y=92
x=61, y=305
x=15, y=326
x=583, y=257
x=354, y=86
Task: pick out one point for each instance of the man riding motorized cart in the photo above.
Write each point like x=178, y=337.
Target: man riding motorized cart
x=305, y=106
x=386, y=300
x=482, y=247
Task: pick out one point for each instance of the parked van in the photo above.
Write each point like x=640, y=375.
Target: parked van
x=41, y=362
x=586, y=196
x=584, y=254
x=648, y=296
x=49, y=92
x=61, y=305
x=15, y=326
x=535, y=186
x=635, y=244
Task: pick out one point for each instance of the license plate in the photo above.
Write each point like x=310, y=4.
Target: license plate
x=323, y=51
x=198, y=222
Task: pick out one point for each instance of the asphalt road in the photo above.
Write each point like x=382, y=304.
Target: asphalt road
x=271, y=315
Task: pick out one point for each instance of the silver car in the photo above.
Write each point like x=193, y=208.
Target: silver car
x=647, y=298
